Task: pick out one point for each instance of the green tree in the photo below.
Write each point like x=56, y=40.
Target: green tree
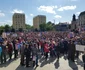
x=12, y=30
x=43, y=26
x=7, y=28
x=1, y=27
x=50, y=26
x=29, y=27
x=47, y=26
x=1, y=31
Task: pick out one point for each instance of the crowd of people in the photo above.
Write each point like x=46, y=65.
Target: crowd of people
x=29, y=45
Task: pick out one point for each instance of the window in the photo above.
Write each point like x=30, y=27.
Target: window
x=15, y=16
x=16, y=24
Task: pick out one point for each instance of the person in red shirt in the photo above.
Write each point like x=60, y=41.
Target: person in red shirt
x=46, y=49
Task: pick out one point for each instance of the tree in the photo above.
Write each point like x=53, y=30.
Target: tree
x=49, y=22
x=12, y=30
x=47, y=26
x=43, y=26
x=50, y=26
x=1, y=31
x=7, y=28
x=2, y=27
x=28, y=26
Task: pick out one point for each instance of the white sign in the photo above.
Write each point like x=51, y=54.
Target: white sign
x=80, y=47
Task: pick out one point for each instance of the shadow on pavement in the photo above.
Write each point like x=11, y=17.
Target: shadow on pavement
x=56, y=64
x=65, y=57
x=41, y=59
x=24, y=68
x=7, y=63
x=79, y=62
x=47, y=61
x=73, y=65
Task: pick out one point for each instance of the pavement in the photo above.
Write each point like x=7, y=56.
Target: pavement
x=50, y=64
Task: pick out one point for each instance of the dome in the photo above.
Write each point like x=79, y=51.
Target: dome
x=82, y=13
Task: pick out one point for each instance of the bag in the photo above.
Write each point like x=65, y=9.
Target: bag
x=34, y=58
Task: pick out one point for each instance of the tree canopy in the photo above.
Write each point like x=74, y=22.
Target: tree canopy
x=46, y=26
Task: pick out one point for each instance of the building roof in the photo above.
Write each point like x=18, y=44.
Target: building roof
x=18, y=14
x=40, y=16
x=82, y=13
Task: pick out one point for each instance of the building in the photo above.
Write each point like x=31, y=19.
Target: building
x=37, y=20
x=18, y=21
x=81, y=19
x=62, y=26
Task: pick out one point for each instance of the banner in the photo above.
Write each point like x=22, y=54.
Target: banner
x=80, y=48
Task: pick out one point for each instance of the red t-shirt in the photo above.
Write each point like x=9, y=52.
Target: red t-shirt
x=46, y=49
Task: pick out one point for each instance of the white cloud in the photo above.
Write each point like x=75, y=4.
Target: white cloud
x=67, y=8
x=77, y=13
x=17, y=11
x=58, y=16
x=48, y=9
x=2, y=14
x=31, y=15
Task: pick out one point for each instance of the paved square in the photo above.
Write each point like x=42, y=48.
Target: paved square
x=50, y=64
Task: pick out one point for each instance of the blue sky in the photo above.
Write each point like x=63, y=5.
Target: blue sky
x=58, y=10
